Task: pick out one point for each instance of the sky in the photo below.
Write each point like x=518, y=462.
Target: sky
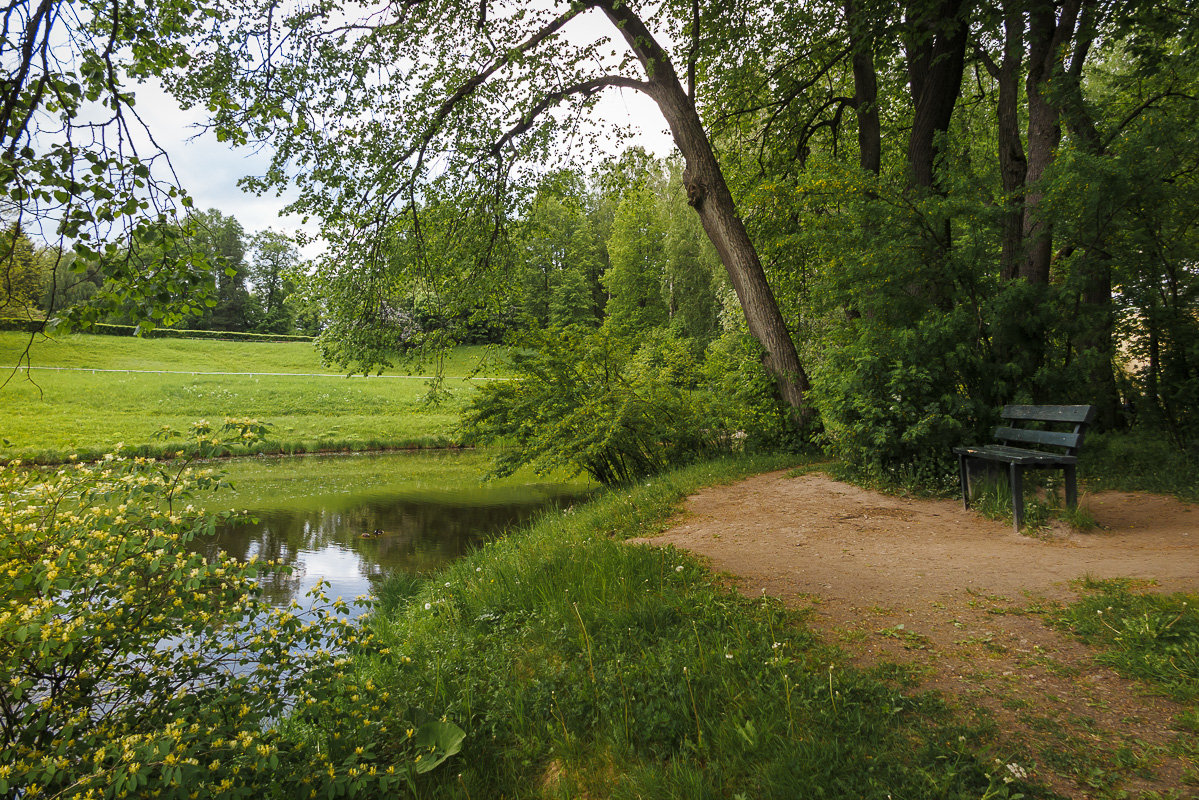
x=209, y=170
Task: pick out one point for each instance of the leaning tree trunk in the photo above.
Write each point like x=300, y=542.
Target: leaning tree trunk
x=709, y=195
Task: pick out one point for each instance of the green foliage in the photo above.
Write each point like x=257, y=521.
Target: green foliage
x=274, y=271
x=1153, y=637
x=105, y=329
x=634, y=279
x=21, y=274
x=134, y=665
x=588, y=400
x=418, y=291
x=591, y=668
x=1141, y=459
x=74, y=161
x=744, y=400
x=1139, y=206
x=558, y=257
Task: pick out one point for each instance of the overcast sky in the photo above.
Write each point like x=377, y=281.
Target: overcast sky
x=209, y=170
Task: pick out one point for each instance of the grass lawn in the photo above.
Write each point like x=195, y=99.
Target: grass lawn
x=583, y=667
x=62, y=406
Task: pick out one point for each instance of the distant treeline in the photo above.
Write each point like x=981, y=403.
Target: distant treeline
x=104, y=329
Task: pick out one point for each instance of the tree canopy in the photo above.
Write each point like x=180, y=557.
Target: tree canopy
x=941, y=205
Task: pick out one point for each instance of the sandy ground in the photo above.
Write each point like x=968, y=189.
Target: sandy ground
x=960, y=598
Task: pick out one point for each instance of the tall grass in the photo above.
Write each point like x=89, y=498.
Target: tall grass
x=1152, y=637
x=582, y=666
x=48, y=413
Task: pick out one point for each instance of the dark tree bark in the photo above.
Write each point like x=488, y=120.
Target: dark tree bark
x=1013, y=166
x=709, y=195
x=1048, y=33
x=865, y=92
x=936, y=54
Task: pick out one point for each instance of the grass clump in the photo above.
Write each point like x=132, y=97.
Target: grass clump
x=1151, y=637
x=581, y=666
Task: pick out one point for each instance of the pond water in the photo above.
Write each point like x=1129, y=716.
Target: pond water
x=354, y=520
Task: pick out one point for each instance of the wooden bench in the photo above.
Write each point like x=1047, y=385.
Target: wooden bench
x=1016, y=449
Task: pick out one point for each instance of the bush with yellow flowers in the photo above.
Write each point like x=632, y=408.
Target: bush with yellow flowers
x=132, y=665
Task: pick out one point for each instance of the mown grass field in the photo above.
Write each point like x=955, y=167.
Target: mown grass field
x=70, y=402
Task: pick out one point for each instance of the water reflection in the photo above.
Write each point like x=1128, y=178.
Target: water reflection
x=353, y=543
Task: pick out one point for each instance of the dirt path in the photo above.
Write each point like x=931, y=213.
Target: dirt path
x=959, y=597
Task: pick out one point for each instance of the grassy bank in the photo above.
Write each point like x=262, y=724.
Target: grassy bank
x=581, y=666
x=77, y=399
x=266, y=484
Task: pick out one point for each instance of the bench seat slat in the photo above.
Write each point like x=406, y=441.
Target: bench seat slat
x=1053, y=438
x=1083, y=414
x=1015, y=455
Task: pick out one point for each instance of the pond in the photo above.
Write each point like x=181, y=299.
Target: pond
x=353, y=520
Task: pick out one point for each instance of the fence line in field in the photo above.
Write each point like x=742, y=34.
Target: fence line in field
x=256, y=374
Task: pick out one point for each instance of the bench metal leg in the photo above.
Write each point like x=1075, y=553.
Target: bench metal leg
x=1071, y=486
x=965, y=476
x=1016, y=471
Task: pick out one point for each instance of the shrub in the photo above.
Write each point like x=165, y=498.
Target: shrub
x=590, y=401
x=131, y=664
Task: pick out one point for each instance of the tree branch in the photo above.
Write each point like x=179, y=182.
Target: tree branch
x=585, y=88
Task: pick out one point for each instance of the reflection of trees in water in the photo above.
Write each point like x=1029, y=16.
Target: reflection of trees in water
x=415, y=535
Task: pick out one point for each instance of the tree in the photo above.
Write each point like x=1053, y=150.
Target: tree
x=70, y=171
x=272, y=271
x=688, y=286
x=365, y=108
x=219, y=241
x=22, y=279
x=634, y=279
x=559, y=262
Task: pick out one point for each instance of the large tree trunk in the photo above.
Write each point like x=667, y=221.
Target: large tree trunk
x=1098, y=336
x=865, y=91
x=936, y=54
x=708, y=193
x=1047, y=35
x=1013, y=167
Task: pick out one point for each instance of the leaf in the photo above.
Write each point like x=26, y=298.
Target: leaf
x=445, y=739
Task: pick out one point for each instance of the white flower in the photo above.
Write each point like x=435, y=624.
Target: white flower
x=428, y=606
x=679, y=568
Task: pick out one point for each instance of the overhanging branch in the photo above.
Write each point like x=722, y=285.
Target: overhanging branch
x=585, y=88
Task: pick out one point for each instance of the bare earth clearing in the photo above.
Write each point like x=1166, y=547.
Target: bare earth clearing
x=961, y=598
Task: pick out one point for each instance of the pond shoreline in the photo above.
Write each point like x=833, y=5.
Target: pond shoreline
x=172, y=453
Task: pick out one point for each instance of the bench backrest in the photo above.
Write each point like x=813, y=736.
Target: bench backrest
x=1077, y=418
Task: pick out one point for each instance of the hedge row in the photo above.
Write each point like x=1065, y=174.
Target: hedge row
x=104, y=329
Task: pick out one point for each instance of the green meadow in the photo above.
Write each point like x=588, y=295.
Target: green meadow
x=88, y=394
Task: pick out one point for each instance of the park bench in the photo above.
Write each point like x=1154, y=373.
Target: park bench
x=1021, y=448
